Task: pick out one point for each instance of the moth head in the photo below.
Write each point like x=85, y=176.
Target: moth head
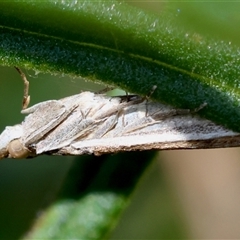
x=17, y=150
x=7, y=136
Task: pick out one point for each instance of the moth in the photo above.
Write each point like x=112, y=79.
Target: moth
x=89, y=123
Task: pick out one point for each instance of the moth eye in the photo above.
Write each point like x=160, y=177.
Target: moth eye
x=17, y=150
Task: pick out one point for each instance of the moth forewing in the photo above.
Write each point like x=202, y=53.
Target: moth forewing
x=43, y=118
x=64, y=134
x=84, y=120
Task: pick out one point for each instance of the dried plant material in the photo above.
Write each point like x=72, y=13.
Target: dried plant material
x=89, y=123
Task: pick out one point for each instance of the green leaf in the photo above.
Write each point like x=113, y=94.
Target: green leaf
x=120, y=45
x=94, y=194
x=124, y=46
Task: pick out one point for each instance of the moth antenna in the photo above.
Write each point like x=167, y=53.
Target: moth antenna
x=26, y=97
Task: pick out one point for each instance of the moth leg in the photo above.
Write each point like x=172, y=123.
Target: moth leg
x=187, y=111
x=199, y=108
x=129, y=97
x=176, y=112
x=122, y=112
x=148, y=97
x=26, y=97
x=104, y=90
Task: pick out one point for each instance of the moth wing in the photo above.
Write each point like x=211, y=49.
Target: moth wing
x=43, y=118
x=70, y=129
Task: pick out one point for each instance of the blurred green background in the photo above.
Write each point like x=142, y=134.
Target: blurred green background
x=184, y=194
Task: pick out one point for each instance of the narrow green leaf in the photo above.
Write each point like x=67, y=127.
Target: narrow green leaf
x=94, y=194
x=123, y=46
